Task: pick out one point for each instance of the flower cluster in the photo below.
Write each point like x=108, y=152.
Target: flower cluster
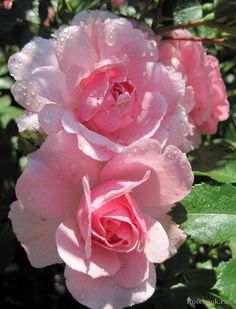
x=119, y=108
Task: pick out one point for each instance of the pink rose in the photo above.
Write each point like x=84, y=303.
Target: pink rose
x=202, y=74
x=7, y=4
x=111, y=225
x=117, y=3
x=101, y=79
x=50, y=17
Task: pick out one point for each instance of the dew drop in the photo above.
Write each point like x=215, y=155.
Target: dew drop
x=152, y=48
x=47, y=119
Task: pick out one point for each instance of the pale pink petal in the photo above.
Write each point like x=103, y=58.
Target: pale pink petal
x=37, y=53
x=174, y=128
x=49, y=83
x=28, y=121
x=90, y=91
x=89, y=17
x=71, y=249
x=85, y=226
x=157, y=246
x=46, y=85
x=113, y=189
x=175, y=235
x=125, y=40
x=146, y=124
x=24, y=94
x=73, y=47
x=155, y=77
x=134, y=269
x=50, y=118
x=105, y=293
x=73, y=77
x=36, y=234
x=170, y=179
x=51, y=182
x=93, y=151
x=71, y=125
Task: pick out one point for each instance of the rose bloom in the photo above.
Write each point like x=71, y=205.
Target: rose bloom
x=202, y=74
x=107, y=222
x=100, y=78
x=117, y=3
x=7, y=4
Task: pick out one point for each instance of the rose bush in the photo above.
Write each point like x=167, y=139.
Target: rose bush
x=101, y=79
x=202, y=74
x=107, y=222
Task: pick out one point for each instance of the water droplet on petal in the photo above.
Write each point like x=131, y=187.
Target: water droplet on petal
x=47, y=119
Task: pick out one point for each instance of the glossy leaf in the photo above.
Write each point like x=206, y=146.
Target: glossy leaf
x=208, y=213
x=186, y=11
x=216, y=162
x=226, y=281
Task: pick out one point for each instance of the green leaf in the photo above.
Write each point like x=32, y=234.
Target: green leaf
x=187, y=10
x=5, y=101
x=216, y=162
x=12, y=112
x=232, y=245
x=29, y=141
x=208, y=213
x=3, y=69
x=231, y=42
x=5, y=82
x=9, y=113
x=27, y=10
x=226, y=281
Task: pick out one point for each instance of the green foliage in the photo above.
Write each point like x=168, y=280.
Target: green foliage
x=29, y=141
x=208, y=213
x=215, y=161
x=225, y=12
x=186, y=11
x=226, y=282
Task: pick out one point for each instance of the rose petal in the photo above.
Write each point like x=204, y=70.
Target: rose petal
x=28, y=121
x=73, y=47
x=157, y=247
x=50, y=118
x=71, y=125
x=36, y=234
x=87, y=17
x=154, y=108
x=170, y=179
x=51, y=182
x=71, y=249
x=175, y=235
x=134, y=269
x=113, y=189
x=105, y=293
x=37, y=53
